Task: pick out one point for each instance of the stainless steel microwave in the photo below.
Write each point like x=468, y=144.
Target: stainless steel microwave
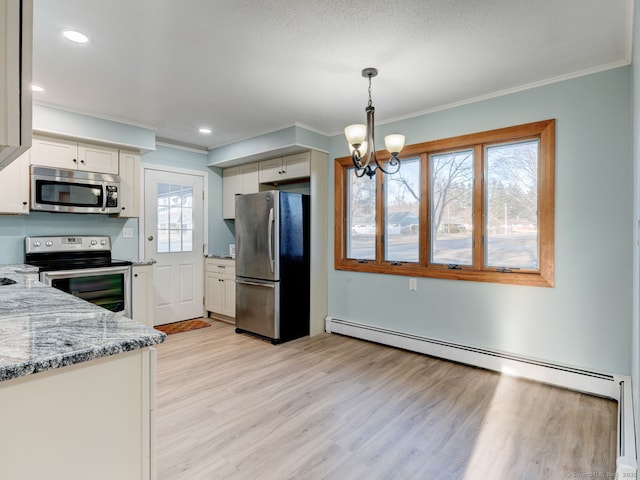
x=73, y=191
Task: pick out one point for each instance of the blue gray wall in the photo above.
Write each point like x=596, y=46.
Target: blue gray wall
x=13, y=229
x=585, y=321
x=221, y=232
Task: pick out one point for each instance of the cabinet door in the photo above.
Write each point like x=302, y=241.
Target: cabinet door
x=16, y=35
x=129, y=194
x=142, y=301
x=250, y=178
x=229, y=307
x=14, y=186
x=231, y=186
x=271, y=170
x=214, y=295
x=54, y=153
x=296, y=166
x=95, y=158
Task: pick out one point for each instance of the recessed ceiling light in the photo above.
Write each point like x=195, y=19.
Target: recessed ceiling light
x=76, y=37
x=205, y=130
x=36, y=88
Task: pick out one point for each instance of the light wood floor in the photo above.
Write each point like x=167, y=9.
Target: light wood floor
x=330, y=407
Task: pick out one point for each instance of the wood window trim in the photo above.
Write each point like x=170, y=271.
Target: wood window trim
x=543, y=277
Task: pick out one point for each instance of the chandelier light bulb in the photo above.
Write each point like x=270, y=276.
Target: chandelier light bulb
x=394, y=143
x=362, y=149
x=355, y=133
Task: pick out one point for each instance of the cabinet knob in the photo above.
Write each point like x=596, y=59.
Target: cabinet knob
x=123, y=208
x=135, y=275
x=24, y=203
x=75, y=161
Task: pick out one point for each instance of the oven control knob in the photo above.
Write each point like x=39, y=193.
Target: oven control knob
x=49, y=243
x=36, y=244
x=103, y=242
x=93, y=242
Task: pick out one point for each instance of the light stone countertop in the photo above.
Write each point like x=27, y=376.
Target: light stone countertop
x=42, y=328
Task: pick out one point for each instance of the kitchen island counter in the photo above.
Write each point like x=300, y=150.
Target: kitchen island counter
x=77, y=383
x=42, y=328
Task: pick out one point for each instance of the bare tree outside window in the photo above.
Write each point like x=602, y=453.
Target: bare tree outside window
x=452, y=207
x=402, y=213
x=361, y=241
x=512, y=205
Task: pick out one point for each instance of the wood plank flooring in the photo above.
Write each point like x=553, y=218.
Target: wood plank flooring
x=330, y=407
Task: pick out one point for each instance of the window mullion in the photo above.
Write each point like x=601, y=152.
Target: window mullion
x=380, y=219
x=478, y=206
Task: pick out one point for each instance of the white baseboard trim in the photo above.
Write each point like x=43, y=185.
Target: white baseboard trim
x=616, y=387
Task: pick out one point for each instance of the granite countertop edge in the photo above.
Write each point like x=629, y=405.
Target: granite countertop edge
x=21, y=369
x=42, y=328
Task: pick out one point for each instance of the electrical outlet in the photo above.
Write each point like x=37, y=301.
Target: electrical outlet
x=413, y=284
x=127, y=232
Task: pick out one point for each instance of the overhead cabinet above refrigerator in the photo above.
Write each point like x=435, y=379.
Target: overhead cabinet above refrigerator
x=272, y=265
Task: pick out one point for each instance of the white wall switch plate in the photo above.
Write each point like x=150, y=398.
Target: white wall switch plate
x=413, y=284
x=127, y=232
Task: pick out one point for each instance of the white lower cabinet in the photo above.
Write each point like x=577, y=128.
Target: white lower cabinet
x=92, y=420
x=142, y=294
x=220, y=293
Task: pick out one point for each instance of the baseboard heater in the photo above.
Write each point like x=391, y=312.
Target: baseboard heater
x=615, y=387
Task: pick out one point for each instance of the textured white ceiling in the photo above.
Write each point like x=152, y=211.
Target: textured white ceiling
x=244, y=68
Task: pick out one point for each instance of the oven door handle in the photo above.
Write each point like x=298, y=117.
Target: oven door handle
x=48, y=275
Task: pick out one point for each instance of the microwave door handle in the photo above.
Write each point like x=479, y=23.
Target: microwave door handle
x=104, y=197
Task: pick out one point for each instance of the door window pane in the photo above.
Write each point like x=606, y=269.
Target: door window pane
x=361, y=216
x=452, y=207
x=402, y=213
x=512, y=205
x=175, y=218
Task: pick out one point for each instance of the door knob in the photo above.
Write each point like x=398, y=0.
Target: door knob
x=150, y=237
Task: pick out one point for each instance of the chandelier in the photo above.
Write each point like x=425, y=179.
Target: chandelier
x=362, y=142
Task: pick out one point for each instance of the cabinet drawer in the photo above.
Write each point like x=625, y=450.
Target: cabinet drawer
x=221, y=266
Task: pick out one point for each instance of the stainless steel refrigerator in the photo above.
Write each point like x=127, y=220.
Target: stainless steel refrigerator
x=272, y=265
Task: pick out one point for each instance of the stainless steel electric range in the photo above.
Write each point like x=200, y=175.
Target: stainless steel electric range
x=83, y=267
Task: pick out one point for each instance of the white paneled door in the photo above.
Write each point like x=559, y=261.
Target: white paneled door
x=173, y=236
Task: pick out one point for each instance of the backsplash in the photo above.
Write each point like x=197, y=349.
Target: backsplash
x=13, y=229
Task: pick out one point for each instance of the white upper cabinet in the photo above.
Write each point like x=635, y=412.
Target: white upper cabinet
x=16, y=34
x=59, y=153
x=237, y=181
x=94, y=158
x=129, y=195
x=286, y=168
x=14, y=186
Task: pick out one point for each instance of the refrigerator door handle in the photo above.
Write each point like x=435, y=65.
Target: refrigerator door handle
x=270, y=239
x=245, y=282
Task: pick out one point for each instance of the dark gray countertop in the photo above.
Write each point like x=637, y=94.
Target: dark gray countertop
x=42, y=328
